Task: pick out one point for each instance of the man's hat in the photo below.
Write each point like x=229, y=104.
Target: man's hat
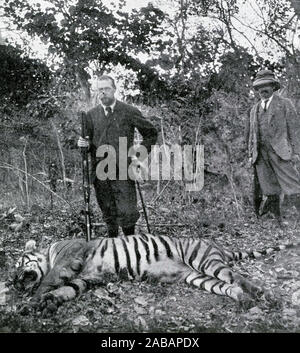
x=266, y=77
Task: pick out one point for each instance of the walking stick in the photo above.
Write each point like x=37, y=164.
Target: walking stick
x=86, y=180
x=257, y=194
x=143, y=205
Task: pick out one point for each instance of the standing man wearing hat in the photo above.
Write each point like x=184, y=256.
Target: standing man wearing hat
x=106, y=124
x=273, y=140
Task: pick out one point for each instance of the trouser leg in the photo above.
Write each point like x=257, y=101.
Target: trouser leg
x=106, y=201
x=118, y=204
x=295, y=200
x=128, y=230
x=126, y=205
x=271, y=204
x=112, y=230
x=277, y=176
x=275, y=208
x=270, y=186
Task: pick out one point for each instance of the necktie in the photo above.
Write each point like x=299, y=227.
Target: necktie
x=265, y=105
x=108, y=111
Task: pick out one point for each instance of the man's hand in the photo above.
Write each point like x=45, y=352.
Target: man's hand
x=250, y=162
x=295, y=158
x=82, y=142
x=139, y=169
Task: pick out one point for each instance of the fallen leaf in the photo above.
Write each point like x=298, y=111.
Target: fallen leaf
x=11, y=210
x=280, y=269
x=5, y=329
x=141, y=300
x=139, y=310
x=103, y=295
x=296, y=297
x=256, y=311
x=19, y=218
x=110, y=310
x=173, y=299
x=163, y=209
x=296, y=285
x=81, y=320
x=112, y=288
x=289, y=314
x=141, y=322
x=3, y=291
x=16, y=226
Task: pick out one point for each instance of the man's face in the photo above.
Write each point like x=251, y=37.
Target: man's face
x=107, y=92
x=266, y=91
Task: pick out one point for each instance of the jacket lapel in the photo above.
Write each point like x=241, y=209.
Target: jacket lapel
x=271, y=108
x=254, y=118
x=104, y=123
x=252, y=143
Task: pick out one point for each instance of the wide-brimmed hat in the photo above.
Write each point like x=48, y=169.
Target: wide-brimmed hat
x=265, y=77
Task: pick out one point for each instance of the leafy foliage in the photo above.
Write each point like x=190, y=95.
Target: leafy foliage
x=24, y=79
x=88, y=32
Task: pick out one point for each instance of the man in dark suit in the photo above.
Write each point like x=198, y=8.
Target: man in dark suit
x=273, y=142
x=106, y=124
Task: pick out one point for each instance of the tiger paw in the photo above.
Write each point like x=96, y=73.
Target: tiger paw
x=26, y=309
x=246, y=301
x=273, y=299
x=49, y=304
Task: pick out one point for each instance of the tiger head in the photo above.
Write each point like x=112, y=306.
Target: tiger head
x=30, y=268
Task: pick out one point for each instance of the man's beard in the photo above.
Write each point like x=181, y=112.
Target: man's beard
x=107, y=101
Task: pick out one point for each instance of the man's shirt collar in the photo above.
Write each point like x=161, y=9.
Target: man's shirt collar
x=268, y=103
x=112, y=106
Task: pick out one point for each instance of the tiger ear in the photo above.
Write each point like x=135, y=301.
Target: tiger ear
x=30, y=245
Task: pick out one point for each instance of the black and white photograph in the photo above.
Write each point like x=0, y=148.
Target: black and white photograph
x=149, y=170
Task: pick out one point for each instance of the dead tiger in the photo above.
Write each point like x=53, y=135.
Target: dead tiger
x=67, y=267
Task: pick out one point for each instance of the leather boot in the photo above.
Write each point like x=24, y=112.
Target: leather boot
x=275, y=209
x=295, y=200
x=128, y=230
x=272, y=204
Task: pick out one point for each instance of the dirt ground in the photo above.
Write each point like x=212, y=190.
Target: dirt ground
x=148, y=307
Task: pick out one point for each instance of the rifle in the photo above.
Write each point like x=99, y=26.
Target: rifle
x=86, y=179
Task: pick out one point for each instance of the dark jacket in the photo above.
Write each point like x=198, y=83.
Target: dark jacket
x=104, y=130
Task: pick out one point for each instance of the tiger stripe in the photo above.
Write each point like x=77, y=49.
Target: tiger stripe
x=60, y=250
x=138, y=256
x=181, y=250
x=219, y=270
x=194, y=254
x=167, y=247
x=155, y=248
x=210, y=262
x=146, y=247
x=116, y=257
x=104, y=248
x=204, y=259
x=99, y=245
x=128, y=259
